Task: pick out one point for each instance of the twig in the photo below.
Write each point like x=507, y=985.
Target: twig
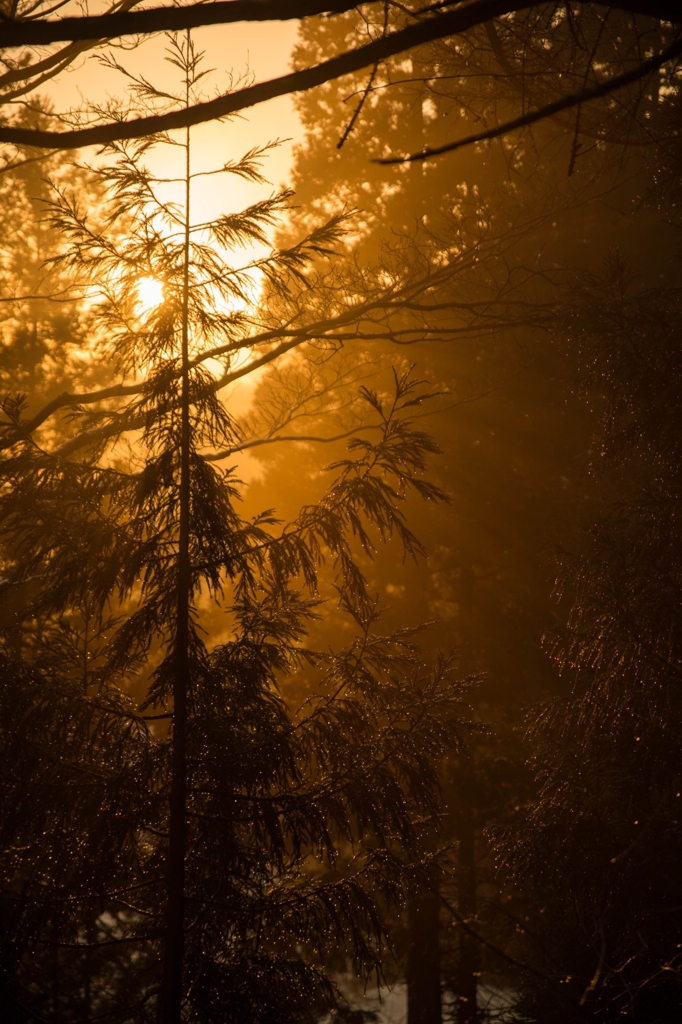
x=356, y=113
x=565, y=103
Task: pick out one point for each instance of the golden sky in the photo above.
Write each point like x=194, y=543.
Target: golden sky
x=260, y=51
x=236, y=52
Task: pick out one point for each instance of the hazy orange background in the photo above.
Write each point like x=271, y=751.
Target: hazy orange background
x=260, y=51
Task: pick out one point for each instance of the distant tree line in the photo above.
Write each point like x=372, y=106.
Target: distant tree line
x=567, y=401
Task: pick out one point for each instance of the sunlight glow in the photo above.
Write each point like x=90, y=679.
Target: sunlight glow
x=149, y=294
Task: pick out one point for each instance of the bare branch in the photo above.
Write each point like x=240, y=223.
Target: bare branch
x=309, y=438
x=465, y=925
x=392, y=302
x=318, y=439
x=358, y=110
x=51, y=65
x=352, y=60
x=65, y=399
x=165, y=19
x=428, y=30
x=223, y=12
x=35, y=298
x=566, y=102
x=125, y=423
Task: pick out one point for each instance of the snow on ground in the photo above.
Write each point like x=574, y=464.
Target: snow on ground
x=389, y=1005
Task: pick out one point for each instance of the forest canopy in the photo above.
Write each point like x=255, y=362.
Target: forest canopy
x=340, y=526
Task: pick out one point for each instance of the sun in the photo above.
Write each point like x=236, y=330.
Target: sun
x=149, y=294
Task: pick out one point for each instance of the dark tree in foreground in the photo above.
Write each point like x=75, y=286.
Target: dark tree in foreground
x=602, y=845
x=164, y=804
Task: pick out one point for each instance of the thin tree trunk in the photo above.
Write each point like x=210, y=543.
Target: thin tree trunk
x=467, y=1004
x=423, y=958
x=170, y=1002
x=468, y=960
x=415, y=205
x=86, y=640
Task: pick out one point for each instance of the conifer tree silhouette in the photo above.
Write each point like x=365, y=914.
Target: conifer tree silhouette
x=229, y=841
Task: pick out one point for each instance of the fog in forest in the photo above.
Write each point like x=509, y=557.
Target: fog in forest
x=340, y=512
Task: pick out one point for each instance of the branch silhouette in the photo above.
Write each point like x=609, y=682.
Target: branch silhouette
x=49, y=67
x=566, y=102
x=161, y=19
x=223, y=12
x=164, y=19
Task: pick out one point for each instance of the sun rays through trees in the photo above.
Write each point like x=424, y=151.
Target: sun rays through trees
x=197, y=846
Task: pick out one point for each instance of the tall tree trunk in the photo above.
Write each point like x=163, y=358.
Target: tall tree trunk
x=468, y=960
x=467, y=979
x=423, y=958
x=170, y=1002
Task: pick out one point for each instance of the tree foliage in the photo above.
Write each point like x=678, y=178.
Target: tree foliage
x=292, y=824
x=602, y=842
x=532, y=207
